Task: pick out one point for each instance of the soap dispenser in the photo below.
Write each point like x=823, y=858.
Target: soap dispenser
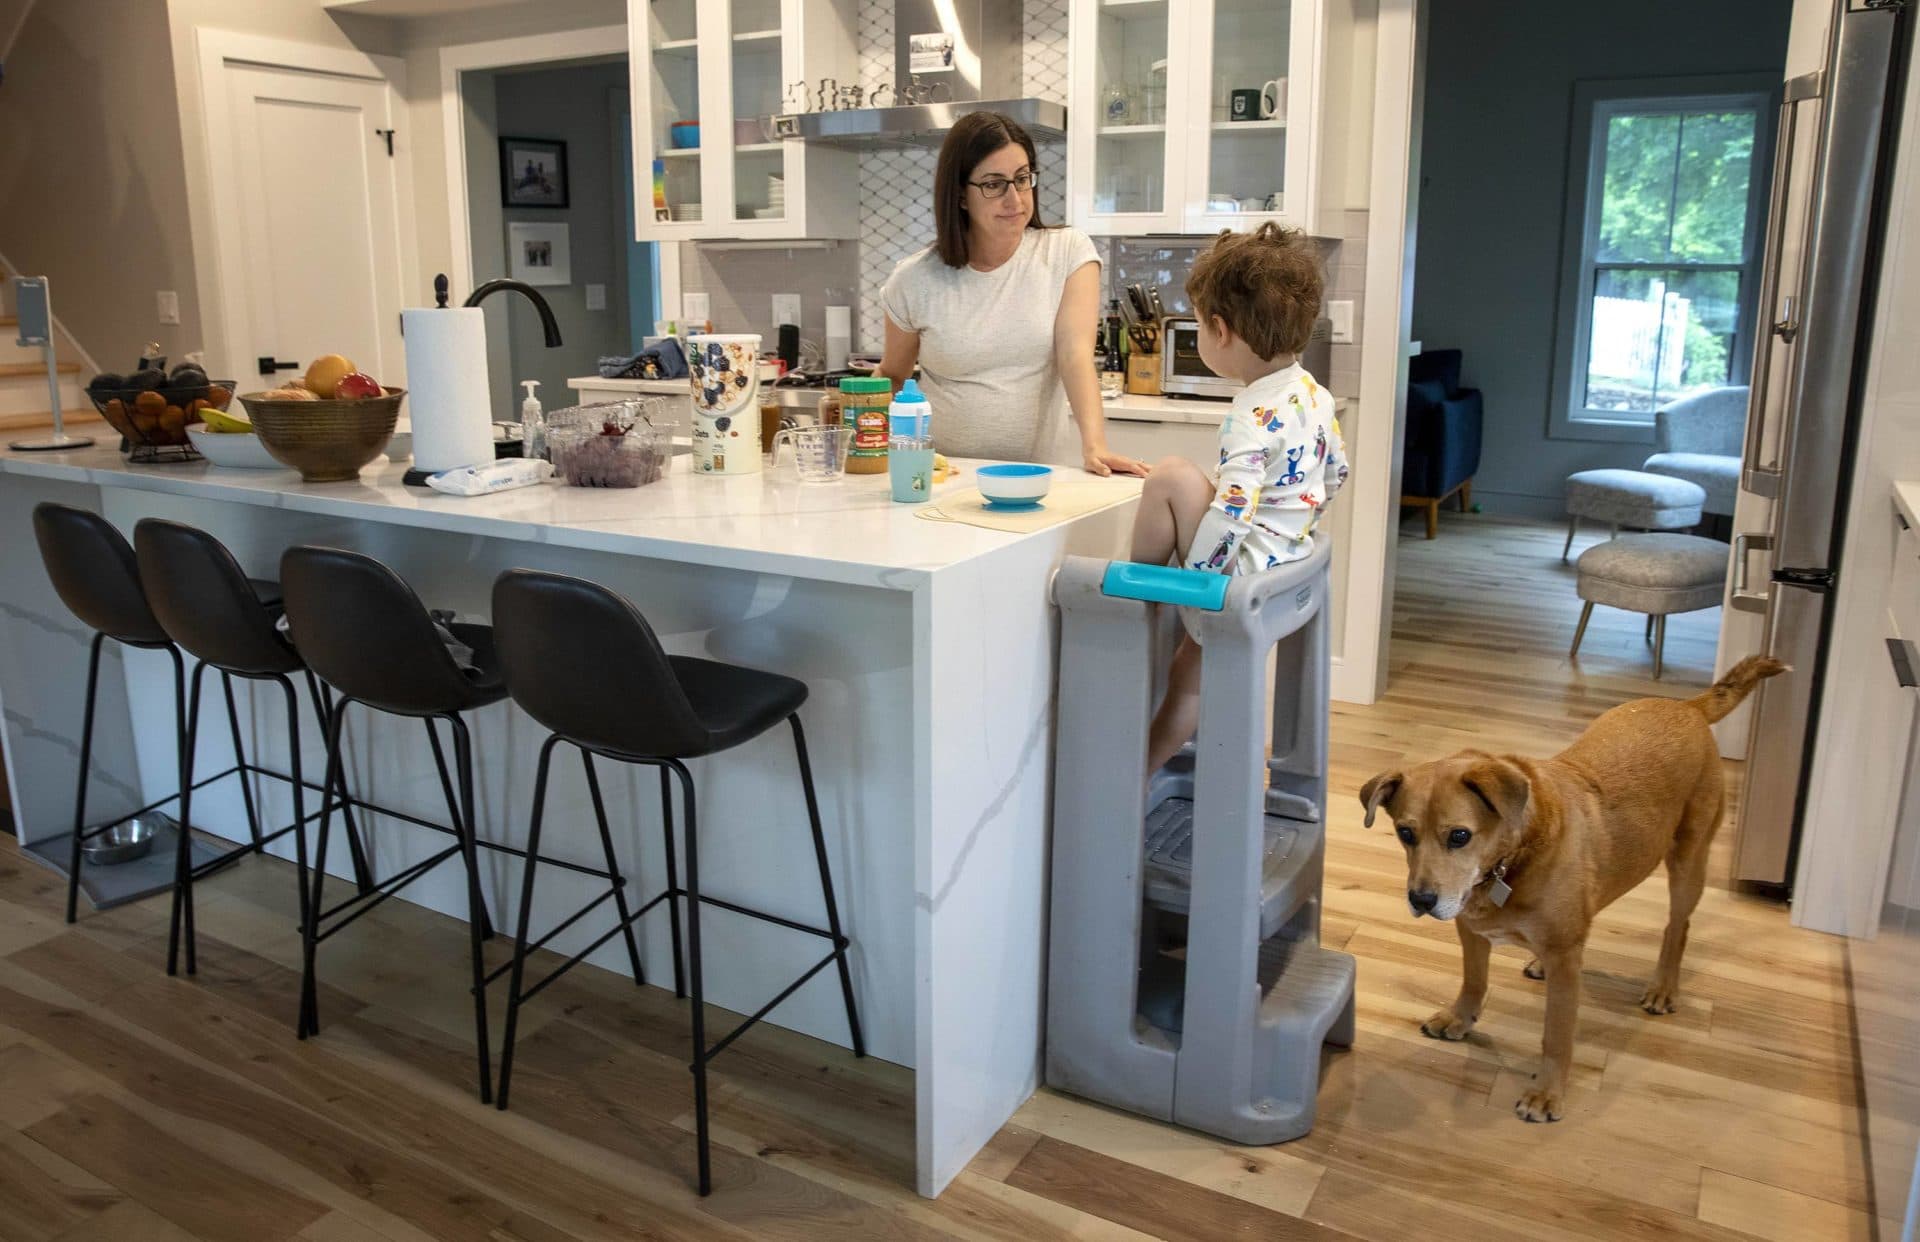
x=533, y=423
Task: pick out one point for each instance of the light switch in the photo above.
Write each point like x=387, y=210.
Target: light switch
x=696, y=307
x=786, y=308
x=169, y=305
x=596, y=297
x=1341, y=313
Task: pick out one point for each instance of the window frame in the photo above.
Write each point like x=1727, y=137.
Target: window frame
x=1596, y=102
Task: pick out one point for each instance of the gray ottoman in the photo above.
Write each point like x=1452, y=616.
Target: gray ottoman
x=1631, y=498
x=1658, y=574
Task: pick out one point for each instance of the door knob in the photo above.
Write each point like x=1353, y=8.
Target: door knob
x=268, y=365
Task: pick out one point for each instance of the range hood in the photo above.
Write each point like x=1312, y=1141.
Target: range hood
x=967, y=51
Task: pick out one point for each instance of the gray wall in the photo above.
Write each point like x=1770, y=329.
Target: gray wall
x=572, y=104
x=1493, y=163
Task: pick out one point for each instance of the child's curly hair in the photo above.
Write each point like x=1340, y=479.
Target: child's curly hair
x=1265, y=284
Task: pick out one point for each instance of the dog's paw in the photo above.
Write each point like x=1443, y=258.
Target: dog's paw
x=1660, y=998
x=1533, y=969
x=1444, y=1025
x=1539, y=1104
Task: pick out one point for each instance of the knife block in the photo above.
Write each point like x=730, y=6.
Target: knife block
x=1143, y=374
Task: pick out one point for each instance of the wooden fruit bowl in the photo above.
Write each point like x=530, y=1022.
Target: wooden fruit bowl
x=326, y=441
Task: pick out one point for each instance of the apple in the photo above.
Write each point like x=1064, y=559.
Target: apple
x=355, y=385
x=326, y=372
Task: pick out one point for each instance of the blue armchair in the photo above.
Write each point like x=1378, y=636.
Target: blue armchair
x=1443, y=435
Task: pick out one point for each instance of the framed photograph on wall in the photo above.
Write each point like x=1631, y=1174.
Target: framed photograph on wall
x=533, y=172
x=539, y=254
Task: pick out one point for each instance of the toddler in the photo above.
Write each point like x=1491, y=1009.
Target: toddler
x=1256, y=296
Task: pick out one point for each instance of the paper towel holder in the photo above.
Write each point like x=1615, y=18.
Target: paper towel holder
x=550, y=327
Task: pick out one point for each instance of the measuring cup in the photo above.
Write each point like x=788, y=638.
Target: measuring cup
x=819, y=452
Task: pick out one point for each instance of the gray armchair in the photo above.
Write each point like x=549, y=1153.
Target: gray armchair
x=1699, y=438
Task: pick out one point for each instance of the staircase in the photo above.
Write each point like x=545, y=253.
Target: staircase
x=23, y=388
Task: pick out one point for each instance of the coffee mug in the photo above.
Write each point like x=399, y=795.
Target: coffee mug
x=1273, y=99
x=725, y=374
x=1243, y=105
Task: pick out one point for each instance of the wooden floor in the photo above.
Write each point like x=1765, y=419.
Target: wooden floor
x=134, y=1107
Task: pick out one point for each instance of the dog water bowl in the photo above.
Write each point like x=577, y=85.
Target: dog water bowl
x=125, y=841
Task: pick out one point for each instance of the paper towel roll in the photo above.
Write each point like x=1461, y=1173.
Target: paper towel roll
x=448, y=391
x=839, y=336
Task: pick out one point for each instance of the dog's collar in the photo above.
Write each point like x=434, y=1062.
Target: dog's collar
x=1498, y=889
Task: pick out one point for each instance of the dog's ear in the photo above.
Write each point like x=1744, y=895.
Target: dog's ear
x=1378, y=790
x=1502, y=785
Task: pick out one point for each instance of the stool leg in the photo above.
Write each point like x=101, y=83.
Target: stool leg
x=826, y=886
x=299, y=834
x=453, y=809
x=1649, y=634
x=526, y=917
x=183, y=852
x=1659, y=644
x=362, y=871
x=240, y=760
x=613, y=869
x=673, y=882
x=1580, y=631
x=1573, y=525
x=86, y=760
x=476, y=908
x=336, y=717
x=699, y=1066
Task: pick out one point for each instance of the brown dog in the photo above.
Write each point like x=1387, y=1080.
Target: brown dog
x=1526, y=851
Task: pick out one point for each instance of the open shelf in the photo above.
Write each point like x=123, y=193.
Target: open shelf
x=677, y=47
x=1251, y=127
x=757, y=36
x=678, y=153
x=1130, y=131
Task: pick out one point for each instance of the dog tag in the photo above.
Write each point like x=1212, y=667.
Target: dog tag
x=1499, y=891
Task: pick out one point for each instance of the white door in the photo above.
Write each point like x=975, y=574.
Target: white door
x=310, y=225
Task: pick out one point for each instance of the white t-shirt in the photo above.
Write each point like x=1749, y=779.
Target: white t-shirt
x=986, y=344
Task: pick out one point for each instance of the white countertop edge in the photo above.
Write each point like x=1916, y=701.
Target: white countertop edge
x=474, y=516
x=1906, y=494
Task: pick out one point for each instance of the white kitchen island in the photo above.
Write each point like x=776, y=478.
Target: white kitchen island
x=928, y=647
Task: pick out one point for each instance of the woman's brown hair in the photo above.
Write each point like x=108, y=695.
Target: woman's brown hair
x=972, y=139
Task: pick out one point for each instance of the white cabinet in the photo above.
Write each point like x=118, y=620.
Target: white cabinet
x=705, y=75
x=1156, y=144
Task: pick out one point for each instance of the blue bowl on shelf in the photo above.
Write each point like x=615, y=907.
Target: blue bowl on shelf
x=1014, y=486
x=685, y=135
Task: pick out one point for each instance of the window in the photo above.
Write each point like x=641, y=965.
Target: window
x=1663, y=234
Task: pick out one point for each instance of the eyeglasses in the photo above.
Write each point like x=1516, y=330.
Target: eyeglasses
x=995, y=187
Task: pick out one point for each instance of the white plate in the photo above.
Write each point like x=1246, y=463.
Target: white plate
x=234, y=450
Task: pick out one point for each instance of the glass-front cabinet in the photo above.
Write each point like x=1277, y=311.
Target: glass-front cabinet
x=707, y=75
x=1206, y=114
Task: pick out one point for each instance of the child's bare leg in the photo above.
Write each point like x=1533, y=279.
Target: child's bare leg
x=1179, y=714
x=1172, y=503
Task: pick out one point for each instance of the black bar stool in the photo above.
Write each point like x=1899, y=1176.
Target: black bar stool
x=645, y=707
x=94, y=572
x=207, y=605
x=369, y=637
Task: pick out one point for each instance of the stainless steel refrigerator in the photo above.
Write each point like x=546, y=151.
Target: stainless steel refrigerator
x=1832, y=164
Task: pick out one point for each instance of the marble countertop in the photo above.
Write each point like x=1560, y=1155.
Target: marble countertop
x=848, y=532
x=1907, y=496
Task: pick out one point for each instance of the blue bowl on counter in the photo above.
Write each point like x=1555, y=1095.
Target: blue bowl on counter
x=1014, y=486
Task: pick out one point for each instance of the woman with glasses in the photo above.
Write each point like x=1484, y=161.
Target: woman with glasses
x=1000, y=313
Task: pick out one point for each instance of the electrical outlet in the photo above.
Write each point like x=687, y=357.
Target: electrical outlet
x=786, y=308
x=596, y=297
x=169, y=304
x=1341, y=313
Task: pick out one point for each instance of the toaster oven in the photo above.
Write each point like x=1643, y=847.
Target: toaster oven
x=1184, y=374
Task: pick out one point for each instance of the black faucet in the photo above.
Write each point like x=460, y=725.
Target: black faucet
x=547, y=322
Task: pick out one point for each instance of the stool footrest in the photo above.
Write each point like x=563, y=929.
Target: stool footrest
x=767, y=1008
x=379, y=893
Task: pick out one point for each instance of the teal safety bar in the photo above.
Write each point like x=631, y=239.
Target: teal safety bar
x=1162, y=584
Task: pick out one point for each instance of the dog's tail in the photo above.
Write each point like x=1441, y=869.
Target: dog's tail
x=1727, y=693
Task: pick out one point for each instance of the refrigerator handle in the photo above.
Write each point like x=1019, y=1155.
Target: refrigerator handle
x=1742, y=599
x=1764, y=480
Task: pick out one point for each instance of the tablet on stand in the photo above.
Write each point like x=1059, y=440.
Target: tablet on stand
x=31, y=304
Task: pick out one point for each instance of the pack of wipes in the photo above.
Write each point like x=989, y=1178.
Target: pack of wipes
x=499, y=476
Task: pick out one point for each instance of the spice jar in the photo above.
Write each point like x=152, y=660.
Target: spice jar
x=864, y=400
